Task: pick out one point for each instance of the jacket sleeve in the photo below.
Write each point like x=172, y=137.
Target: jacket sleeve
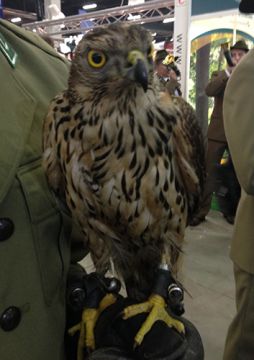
x=217, y=83
x=239, y=121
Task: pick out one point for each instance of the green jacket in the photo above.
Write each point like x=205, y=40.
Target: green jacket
x=34, y=253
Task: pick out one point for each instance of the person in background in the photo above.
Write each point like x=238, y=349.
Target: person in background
x=172, y=85
x=34, y=234
x=167, y=73
x=161, y=71
x=217, y=142
x=239, y=126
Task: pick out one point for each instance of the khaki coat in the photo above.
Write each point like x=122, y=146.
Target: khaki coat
x=239, y=127
x=34, y=253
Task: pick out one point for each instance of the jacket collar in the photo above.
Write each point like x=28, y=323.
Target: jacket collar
x=30, y=37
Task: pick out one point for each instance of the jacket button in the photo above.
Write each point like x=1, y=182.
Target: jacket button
x=10, y=318
x=6, y=228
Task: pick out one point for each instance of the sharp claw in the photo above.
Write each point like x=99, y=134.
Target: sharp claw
x=87, y=324
x=81, y=342
x=157, y=308
x=147, y=325
x=89, y=318
x=74, y=329
x=138, y=339
x=178, y=326
x=90, y=344
x=89, y=350
x=135, y=345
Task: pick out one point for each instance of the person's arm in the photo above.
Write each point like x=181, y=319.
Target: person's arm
x=239, y=121
x=217, y=83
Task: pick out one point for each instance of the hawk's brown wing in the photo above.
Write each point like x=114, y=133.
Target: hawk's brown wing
x=189, y=151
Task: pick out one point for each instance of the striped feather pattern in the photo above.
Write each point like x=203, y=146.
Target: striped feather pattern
x=128, y=163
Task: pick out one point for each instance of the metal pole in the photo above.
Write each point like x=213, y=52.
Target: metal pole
x=235, y=28
x=39, y=10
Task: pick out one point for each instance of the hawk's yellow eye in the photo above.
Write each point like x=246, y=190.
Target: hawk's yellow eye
x=96, y=59
x=150, y=51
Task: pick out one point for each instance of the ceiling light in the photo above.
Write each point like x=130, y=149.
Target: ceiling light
x=134, y=17
x=168, y=20
x=89, y=6
x=16, y=20
x=135, y=2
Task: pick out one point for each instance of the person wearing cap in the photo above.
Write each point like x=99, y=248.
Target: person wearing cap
x=173, y=87
x=217, y=142
x=246, y=6
x=161, y=70
x=167, y=74
x=238, y=109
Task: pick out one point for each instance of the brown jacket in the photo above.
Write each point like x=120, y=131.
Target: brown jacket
x=239, y=126
x=216, y=88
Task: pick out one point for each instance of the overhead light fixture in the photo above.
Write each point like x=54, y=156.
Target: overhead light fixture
x=135, y=2
x=168, y=20
x=133, y=17
x=16, y=19
x=89, y=6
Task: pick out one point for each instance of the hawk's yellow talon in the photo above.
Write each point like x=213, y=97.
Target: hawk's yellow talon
x=87, y=325
x=157, y=307
x=178, y=325
x=108, y=300
x=74, y=329
x=89, y=318
x=136, y=309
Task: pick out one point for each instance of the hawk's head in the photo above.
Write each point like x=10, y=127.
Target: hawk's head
x=111, y=59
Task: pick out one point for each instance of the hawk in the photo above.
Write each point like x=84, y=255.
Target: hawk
x=126, y=158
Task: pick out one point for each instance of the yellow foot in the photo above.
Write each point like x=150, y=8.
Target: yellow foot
x=87, y=325
x=157, y=307
x=86, y=331
x=108, y=300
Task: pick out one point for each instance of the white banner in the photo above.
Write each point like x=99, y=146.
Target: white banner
x=181, y=41
x=51, y=10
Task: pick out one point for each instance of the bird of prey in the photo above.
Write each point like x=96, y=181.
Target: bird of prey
x=127, y=159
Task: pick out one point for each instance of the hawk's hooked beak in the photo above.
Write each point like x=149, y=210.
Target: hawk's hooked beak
x=139, y=70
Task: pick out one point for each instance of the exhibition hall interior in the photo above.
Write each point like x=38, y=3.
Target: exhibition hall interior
x=144, y=161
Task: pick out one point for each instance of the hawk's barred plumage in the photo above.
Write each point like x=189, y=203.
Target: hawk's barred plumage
x=127, y=159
